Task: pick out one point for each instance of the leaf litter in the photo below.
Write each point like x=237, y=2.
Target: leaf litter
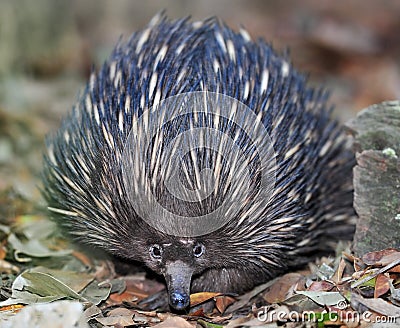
x=332, y=291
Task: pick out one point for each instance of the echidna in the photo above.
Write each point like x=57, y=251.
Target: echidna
x=204, y=155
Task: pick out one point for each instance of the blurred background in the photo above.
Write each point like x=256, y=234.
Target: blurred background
x=48, y=47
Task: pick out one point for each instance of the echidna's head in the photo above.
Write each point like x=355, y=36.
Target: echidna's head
x=183, y=261
x=178, y=260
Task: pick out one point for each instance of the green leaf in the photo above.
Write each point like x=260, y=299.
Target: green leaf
x=43, y=284
x=95, y=293
x=32, y=248
x=39, y=285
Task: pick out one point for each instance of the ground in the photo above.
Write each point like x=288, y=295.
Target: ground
x=47, y=51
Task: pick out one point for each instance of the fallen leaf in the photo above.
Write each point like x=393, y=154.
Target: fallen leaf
x=37, y=287
x=124, y=321
x=142, y=287
x=95, y=292
x=117, y=286
x=395, y=294
x=41, y=285
x=280, y=290
x=390, y=258
x=3, y=251
x=320, y=286
x=222, y=302
x=174, y=322
x=198, y=298
x=126, y=296
x=382, y=285
x=32, y=248
x=92, y=311
x=148, y=313
x=75, y=280
x=324, y=298
x=338, y=275
x=301, y=302
x=382, y=257
x=142, y=318
x=198, y=313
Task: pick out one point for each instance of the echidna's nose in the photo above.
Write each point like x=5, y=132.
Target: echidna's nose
x=179, y=301
x=178, y=276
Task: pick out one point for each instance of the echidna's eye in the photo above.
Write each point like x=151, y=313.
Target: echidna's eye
x=155, y=251
x=198, y=250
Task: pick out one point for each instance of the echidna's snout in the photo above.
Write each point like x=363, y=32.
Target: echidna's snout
x=178, y=276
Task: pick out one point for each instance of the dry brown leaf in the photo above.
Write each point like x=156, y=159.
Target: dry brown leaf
x=337, y=277
x=198, y=313
x=119, y=312
x=174, y=322
x=126, y=296
x=123, y=321
x=198, y=298
x=92, y=312
x=3, y=252
x=279, y=290
x=141, y=286
x=321, y=286
x=390, y=258
x=382, y=257
x=222, y=302
x=148, y=313
x=382, y=285
x=137, y=292
x=136, y=289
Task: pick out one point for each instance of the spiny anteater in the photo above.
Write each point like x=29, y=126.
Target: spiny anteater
x=191, y=121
